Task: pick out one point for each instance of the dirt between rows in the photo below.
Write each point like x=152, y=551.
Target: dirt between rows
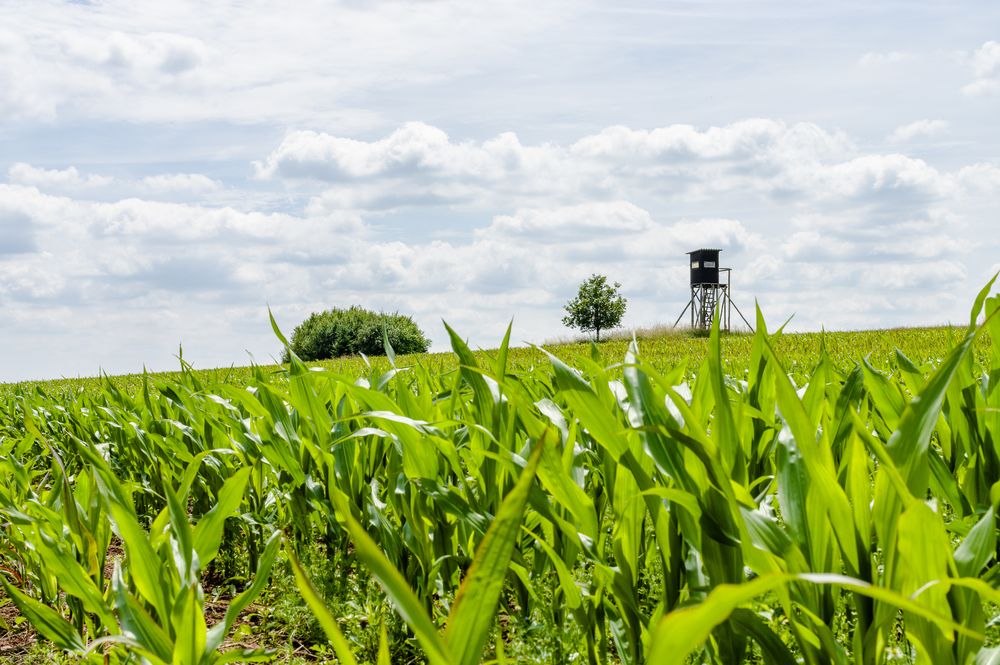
x=14, y=640
x=18, y=637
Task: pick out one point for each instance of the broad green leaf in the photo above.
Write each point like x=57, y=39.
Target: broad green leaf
x=394, y=585
x=475, y=606
x=682, y=631
x=208, y=533
x=978, y=547
x=46, y=620
x=774, y=650
x=218, y=632
x=319, y=609
x=908, y=444
x=190, y=632
x=587, y=406
x=137, y=623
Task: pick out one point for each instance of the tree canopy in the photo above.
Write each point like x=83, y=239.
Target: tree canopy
x=343, y=332
x=597, y=306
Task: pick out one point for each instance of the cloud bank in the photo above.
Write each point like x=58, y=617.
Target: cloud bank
x=167, y=175
x=809, y=221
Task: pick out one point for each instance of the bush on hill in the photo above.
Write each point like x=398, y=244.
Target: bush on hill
x=343, y=332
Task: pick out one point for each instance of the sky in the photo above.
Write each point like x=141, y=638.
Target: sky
x=171, y=170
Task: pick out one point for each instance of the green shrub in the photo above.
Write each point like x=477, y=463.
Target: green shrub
x=344, y=332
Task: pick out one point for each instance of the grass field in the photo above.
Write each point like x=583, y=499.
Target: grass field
x=759, y=499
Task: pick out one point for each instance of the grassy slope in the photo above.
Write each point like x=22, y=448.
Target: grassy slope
x=663, y=352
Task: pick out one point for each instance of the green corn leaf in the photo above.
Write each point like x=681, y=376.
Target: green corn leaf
x=978, y=547
x=682, y=631
x=723, y=427
x=383, y=647
x=908, y=444
x=475, y=605
x=793, y=493
x=194, y=466
x=944, y=484
x=884, y=394
x=503, y=353
x=277, y=330
x=245, y=656
x=135, y=648
x=394, y=585
x=185, y=558
x=143, y=563
x=319, y=609
x=188, y=622
x=988, y=656
x=571, y=496
x=75, y=581
x=774, y=650
x=768, y=535
x=483, y=396
x=137, y=623
x=389, y=353
x=211, y=527
x=566, y=582
x=977, y=306
x=218, y=632
x=46, y=620
x=993, y=327
x=297, y=366
x=587, y=406
x=815, y=478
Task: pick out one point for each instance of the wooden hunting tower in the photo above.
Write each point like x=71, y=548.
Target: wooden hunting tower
x=708, y=292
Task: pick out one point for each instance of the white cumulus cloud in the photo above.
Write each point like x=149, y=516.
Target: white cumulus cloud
x=769, y=161
x=804, y=216
x=918, y=128
x=183, y=183
x=985, y=63
x=68, y=178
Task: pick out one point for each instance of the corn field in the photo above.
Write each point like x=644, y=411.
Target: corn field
x=663, y=350
x=628, y=512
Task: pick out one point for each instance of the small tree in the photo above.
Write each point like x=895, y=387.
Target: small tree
x=598, y=306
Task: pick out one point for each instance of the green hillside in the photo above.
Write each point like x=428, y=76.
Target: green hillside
x=797, y=352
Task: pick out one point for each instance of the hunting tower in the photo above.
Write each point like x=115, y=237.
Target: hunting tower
x=709, y=292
